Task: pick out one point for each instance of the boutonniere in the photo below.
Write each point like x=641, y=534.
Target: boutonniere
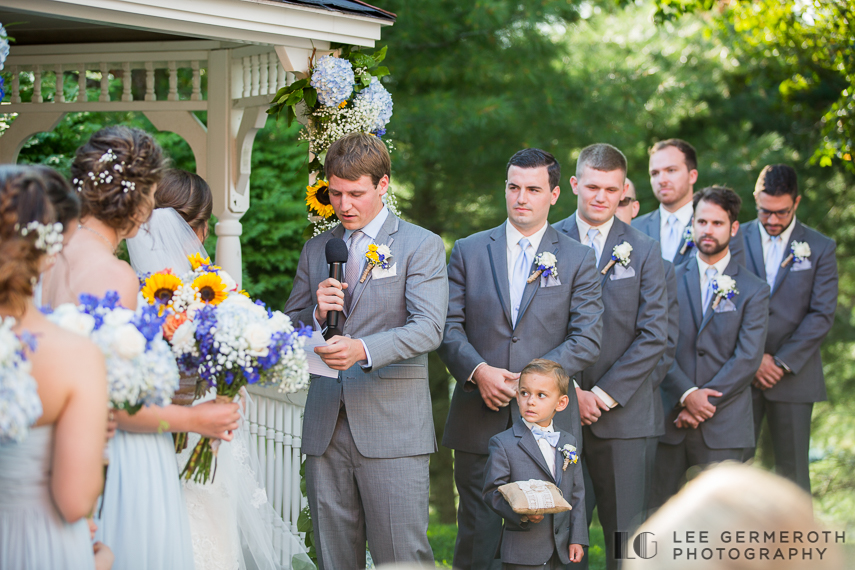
x=688, y=239
x=377, y=256
x=545, y=264
x=724, y=287
x=620, y=254
x=799, y=251
x=570, y=455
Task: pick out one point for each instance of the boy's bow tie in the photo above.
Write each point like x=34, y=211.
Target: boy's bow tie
x=551, y=437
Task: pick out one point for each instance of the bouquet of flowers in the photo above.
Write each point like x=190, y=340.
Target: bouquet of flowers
x=141, y=370
x=20, y=405
x=226, y=339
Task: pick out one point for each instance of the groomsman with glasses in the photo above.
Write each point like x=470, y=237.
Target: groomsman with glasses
x=800, y=266
x=615, y=396
x=673, y=174
x=723, y=313
x=503, y=313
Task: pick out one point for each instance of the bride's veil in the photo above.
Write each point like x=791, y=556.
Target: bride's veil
x=164, y=242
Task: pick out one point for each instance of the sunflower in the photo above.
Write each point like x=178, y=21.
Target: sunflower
x=160, y=287
x=318, y=198
x=197, y=261
x=211, y=288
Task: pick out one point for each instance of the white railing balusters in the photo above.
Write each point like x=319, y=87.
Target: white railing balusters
x=126, y=82
x=272, y=72
x=196, y=95
x=270, y=481
x=247, y=76
x=81, y=84
x=37, y=84
x=16, y=85
x=173, y=81
x=262, y=77
x=255, y=75
x=149, y=81
x=60, y=85
x=105, y=84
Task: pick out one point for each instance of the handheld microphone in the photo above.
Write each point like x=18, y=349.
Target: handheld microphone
x=336, y=252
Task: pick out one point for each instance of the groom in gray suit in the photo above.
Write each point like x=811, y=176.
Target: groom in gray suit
x=673, y=173
x=723, y=314
x=501, y=316
x=615, y=396
x=801, y=312
x=368, y=433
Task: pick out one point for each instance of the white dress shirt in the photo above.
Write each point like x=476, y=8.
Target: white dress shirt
x=547, y=450
x=684, y=215
x=720, y=266
x=372, y=230
x=766, y=239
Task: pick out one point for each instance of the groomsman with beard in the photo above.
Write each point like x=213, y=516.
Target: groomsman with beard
x=723, y=314
x=626, y=212
x=501, y=315
x=800, y=266
x=673, y=173
x=616, y=400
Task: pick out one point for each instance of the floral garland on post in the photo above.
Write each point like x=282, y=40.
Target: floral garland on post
x=4, y=53
x=341, y=95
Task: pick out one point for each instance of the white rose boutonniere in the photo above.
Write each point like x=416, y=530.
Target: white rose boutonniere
x=570, y=455
x=545, y=264
x=799, y=251
x=688, y=239
x=620, y=254
x=724, y=287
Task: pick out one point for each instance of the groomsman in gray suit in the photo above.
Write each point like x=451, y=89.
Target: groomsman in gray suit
x=723, y=314
x=626, y=212
x=800, y=266
x=673, y=173
x=500, y=317
x=368, y=433
x=615, y=396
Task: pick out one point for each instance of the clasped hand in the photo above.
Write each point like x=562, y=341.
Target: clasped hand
x=768, y=374
x=697, y=408
x=497, y=385
x=590, y=406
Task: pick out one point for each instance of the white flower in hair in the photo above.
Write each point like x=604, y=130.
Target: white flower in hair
x=108, y=156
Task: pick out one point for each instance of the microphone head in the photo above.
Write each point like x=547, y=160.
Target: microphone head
x=336, y=251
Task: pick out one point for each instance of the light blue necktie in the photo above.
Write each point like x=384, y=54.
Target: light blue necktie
x=551, y=437
x=708, y=292
x=354, y=264
x=669, y=249
x=773, y=260
x=592, y=237
x=521, y=272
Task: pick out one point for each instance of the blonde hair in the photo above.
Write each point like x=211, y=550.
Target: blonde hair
x=549, y=368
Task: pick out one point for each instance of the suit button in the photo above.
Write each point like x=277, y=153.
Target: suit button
x=338, y=379
x=557, y=530
x=515, y=339
x=702, y=353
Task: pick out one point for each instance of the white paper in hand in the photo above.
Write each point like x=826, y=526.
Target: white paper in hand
x=316, y=365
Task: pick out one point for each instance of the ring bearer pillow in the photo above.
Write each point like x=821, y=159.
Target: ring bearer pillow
x=534, y=497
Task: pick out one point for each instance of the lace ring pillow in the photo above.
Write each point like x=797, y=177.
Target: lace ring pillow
x=534, y=497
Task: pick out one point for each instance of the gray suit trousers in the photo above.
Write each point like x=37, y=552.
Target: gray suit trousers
x=349, y=507
x=789, y=425
x=479, y=528
x=553, y=564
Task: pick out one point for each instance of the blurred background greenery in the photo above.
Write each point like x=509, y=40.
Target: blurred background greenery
x=748, y=83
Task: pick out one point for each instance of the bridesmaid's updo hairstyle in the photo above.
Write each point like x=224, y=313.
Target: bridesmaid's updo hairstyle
x=188, y=194
x=65, y=202
x=115, y=173
x=23, y=200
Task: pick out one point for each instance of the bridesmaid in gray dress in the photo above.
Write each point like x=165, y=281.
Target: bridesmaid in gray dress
x=50, y=481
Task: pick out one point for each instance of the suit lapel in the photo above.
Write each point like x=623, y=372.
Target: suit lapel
x=678, y=257
x=731, y=270
x=693, y=286
x=615, y=237
x=529, y=445
x=497, y=250
x=797, y=235
x=559, y=457
x=654, y=225
x=384, y=237
x=569, y=227
x=754, y=244
x=549, y=242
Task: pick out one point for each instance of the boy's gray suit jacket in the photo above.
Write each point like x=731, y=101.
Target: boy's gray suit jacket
x=561, y=323
x=720, y=350
x=801, y=311
x=635, y=332
x=400, y=319
x=515, y=456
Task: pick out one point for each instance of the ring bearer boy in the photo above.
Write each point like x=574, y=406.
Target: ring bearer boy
x=533, y=449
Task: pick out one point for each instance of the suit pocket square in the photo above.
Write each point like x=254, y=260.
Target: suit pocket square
x=725, y=306
x=380, y=273
x=803, y=265
x=550, y=281
x=621, y=272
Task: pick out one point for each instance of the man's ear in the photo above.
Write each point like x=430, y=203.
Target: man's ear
x=562, y=403
x=734, y=227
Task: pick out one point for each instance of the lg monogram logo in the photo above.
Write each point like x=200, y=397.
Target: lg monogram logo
x=642, y=547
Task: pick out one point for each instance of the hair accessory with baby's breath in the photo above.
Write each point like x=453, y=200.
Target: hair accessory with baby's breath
x=49, y=236
x=106, y=176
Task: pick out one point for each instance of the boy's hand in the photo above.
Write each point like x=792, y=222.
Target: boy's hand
x=532, y=518
x=576, y=553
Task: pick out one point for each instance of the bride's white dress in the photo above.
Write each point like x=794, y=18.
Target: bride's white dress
x=232, y=524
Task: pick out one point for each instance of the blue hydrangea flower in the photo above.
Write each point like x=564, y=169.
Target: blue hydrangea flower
x=378, y=98
x=333, y=78
x=4, y=46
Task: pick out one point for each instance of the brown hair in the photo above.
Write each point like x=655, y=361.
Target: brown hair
x=65, y=202
x=778, y=180
x=723, y=197
x=536, y=158
x=356, y=155
x=549, y=368
x=118, y=191
x=23, y=199
x=186, y=193
x=601, y=156
x=689, y=152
